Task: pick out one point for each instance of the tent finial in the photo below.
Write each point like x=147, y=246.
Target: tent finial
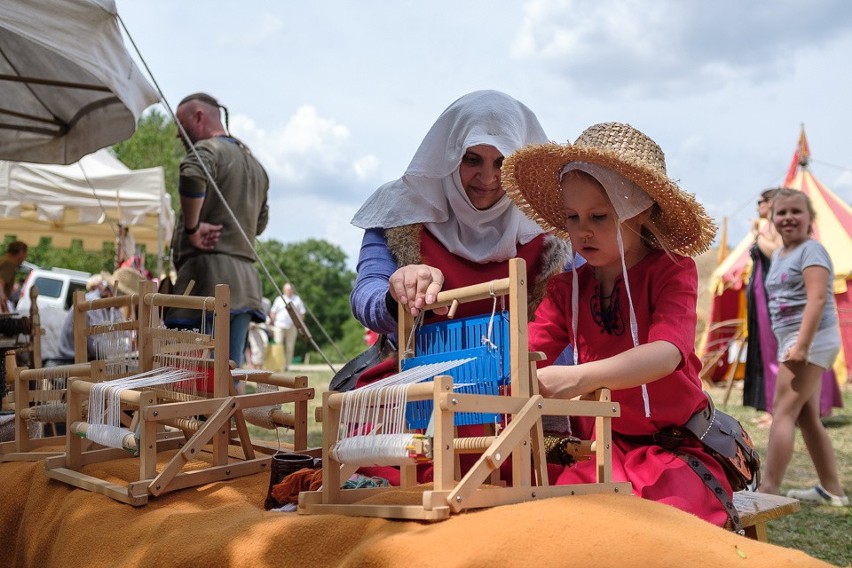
x=801, y=157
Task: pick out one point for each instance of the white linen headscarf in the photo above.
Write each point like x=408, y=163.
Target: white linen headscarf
x=430, y=191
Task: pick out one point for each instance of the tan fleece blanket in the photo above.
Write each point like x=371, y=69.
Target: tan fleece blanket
x=46, y=524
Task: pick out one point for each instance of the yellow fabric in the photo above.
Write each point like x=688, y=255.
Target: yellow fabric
x=274, y=357
x=49, y=524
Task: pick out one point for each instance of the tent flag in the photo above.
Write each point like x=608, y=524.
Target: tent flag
x=832, y=227
x=800, y=158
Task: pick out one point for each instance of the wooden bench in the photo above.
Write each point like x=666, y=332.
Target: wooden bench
x=756, y=509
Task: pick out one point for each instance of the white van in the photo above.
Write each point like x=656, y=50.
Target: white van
x=56, y=288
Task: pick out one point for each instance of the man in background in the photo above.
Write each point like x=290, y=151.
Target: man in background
x=16, y=254
x=214, y=239
x=285, y=329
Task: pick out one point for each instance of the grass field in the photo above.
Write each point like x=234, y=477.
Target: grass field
x=822, y=532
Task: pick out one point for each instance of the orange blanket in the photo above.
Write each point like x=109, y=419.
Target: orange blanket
x=45, y=524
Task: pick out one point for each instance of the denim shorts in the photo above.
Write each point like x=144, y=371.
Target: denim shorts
x=824, y=347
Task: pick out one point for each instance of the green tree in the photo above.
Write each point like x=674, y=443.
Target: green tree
x=317, y=270
x=154, y=144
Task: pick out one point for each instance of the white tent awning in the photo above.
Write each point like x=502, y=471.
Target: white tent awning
x=68, y=86
x=85, y=201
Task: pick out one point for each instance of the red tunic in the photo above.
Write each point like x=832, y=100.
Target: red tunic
x=664, y=292
x=460, y=272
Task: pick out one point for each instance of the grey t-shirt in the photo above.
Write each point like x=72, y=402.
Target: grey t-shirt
x=785, y=286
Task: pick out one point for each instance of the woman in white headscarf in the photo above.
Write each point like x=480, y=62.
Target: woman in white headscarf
x=447, y=222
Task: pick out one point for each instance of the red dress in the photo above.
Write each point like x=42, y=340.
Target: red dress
x=664, y=291
x=457, y=272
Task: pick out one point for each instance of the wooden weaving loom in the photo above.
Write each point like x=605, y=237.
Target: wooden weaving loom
x=42, y=391
x=20, y=336
x=39, y=397
x=521, y=438
x=181, y=400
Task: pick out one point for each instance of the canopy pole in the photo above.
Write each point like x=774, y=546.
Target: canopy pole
x=160, y=232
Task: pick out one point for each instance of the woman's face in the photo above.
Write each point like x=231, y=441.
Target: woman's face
x=480, y=175
x=792, y=219
x=764, y=208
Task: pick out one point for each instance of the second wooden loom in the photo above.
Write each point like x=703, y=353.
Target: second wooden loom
x=196, y=424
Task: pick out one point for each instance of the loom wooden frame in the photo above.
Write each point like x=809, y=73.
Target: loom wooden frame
x=95, y=371
x=522, y=438
x=23, y=446
x=32, y=344
x=156, y=408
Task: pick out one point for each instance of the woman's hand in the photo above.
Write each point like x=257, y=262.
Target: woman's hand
x=417, y=286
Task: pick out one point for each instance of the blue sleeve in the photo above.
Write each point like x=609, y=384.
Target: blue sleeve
x=375, y=266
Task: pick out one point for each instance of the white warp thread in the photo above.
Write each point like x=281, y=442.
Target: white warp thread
x=380, y=406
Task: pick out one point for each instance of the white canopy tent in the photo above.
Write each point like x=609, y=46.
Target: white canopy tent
x=68, y=86
x=85, y=201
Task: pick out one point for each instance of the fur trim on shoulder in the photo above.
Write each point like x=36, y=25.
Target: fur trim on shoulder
x=555, y=255
x=404, y=243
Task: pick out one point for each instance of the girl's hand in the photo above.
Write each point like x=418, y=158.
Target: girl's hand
x=798, y=354
x=558, y=381
x=417, y=286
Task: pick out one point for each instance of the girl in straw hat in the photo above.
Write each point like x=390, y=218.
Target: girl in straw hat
x=630, y=310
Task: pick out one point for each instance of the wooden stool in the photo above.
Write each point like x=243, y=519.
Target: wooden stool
x=756, y=509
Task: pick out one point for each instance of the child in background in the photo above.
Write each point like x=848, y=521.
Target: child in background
x=804, y=319
x=630, y=311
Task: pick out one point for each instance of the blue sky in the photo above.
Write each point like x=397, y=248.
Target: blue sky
x=334, y=97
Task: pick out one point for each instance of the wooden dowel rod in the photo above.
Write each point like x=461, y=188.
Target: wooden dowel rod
x=282, y=418
x=128, y=396
x=471, y=293
x=274, y=379
x=172, y=301
x=130, y=325
x=473, y=444
x=111, y=302
x=61, y=372
x=128, y=442
x=420, y=391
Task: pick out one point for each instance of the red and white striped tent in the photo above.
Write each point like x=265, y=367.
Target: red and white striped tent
x=832, y=227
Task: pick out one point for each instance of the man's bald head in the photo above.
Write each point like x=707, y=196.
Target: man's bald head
x=199, y=115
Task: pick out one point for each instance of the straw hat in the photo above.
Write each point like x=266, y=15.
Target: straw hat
x=124, y=280
x=531, y=176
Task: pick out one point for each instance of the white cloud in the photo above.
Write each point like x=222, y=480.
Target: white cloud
x=309, y=151
x=722, y=86
x=628, y=48
x=297, y=217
